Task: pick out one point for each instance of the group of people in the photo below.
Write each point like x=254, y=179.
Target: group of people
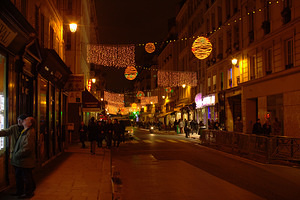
x=22, y=154
x=266, y=128
x=97, y=132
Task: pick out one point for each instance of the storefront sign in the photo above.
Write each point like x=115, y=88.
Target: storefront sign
x=75, y=83
x=205, y=101
x=6, y=34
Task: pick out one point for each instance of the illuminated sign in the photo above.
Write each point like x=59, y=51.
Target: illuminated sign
x=205, y=101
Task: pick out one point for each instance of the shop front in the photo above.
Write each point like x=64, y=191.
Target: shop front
x=271, y=98
x=19, y=56
x=53, y=75
x=205, y=109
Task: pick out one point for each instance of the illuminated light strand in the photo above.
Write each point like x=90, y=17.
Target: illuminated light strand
x=114, y=98
x=174, y=79
x=111, y=55
x=220, y=27
x=149, y=100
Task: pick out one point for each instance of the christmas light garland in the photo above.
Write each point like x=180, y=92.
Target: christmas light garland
x=175, y=79
x=149, y=100
x=111, y=55
x=114, y=99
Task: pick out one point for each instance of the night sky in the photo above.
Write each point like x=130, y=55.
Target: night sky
x=132, y=22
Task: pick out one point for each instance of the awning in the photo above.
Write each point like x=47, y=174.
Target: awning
x=53, y=68
x=164, y=114
x=16, y=32
x=90, y=103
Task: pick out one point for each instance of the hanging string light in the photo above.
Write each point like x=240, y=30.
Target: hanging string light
x=130, y=73
x=149, y=100
x=175, y=79
x=150, y=47
x=114, y=98
x=111, y=55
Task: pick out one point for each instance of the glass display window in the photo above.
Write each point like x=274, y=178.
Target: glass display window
x=2, y=100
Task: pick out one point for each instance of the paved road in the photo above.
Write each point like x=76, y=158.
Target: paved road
x=166, y=167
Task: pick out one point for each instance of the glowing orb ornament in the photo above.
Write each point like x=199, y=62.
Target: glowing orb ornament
x=201, y=48
x=150, y=47
x=140, y=94
x=130, y=73
x=168, y=89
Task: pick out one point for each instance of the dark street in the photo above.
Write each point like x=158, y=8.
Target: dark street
x=154, y=166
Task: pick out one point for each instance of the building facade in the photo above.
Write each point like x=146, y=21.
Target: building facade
x=262, y=37
x=34, y=72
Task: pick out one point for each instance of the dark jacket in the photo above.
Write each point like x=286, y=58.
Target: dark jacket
x=92, y=129
x=24, y=151
x=14, y=132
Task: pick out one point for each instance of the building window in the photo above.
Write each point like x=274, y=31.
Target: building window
x=227, y=9
x=42, y=30
x=289, y=53
x=252, y=67
x=220, y=16
x=230, y=77
x=51, y=38
x=68, y=40
x=228, y=42
x=208, y=84
x=2, y=101
x=69, y=6
x=235, y=6
x=37, y=19
x=269, y=61
x=24, y=8
x=222, y=80
x=214, y=83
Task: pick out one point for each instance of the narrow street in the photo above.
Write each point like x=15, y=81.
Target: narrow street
x=154, y=166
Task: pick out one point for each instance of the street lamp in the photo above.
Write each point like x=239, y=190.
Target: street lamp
x=93, y=80
x=183, y=85
x=234, y=61
x=163, y=97
x=73, y=27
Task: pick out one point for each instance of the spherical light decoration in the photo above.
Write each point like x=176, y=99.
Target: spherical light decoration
x=201, y=48
x=150, y=47
x=130, y=73
x=140, y=94
x=168, y=89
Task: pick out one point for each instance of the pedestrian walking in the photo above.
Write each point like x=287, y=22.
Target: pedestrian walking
x=181, y=126
x=83, y=134
x=92, y=132
x=109, y=131
x=101, y=133
x=187, y=129
x=24, y=159
x=117, y=132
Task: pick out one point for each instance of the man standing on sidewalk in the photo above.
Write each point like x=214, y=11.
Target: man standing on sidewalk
x=14, y=131
x=24, y=159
